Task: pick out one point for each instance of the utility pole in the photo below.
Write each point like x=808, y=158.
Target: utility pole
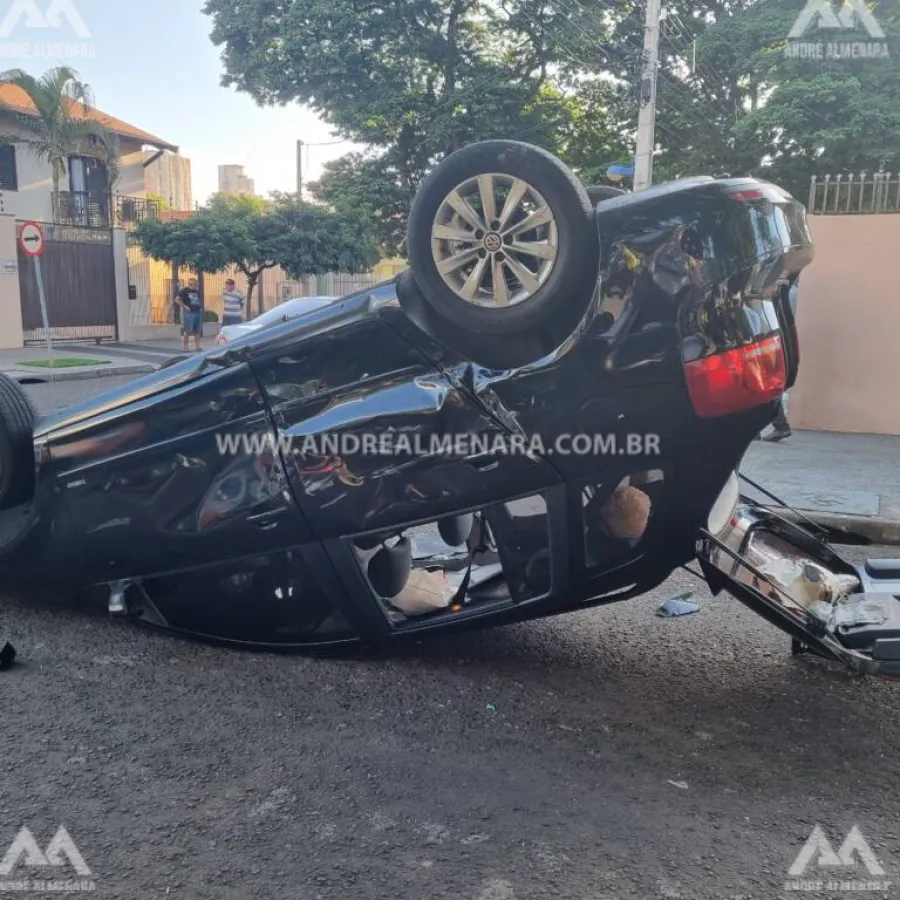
x=300, y=169
x=646, y=136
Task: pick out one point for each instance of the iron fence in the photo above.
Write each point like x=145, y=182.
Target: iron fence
x=862, y=194
x=99, y=209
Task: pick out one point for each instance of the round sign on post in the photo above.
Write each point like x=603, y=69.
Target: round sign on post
x=32, y=239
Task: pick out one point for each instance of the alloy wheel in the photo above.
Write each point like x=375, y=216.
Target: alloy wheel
x=494, y=240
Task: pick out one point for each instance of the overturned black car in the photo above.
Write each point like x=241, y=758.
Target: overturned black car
x=545, y=412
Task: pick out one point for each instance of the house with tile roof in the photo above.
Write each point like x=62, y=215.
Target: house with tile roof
x=146, y=161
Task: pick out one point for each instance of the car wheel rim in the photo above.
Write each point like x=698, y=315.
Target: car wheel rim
x=494, y=240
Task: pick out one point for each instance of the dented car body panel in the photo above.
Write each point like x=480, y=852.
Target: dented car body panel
x=141, y=498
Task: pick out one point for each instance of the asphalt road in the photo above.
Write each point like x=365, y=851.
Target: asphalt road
x=49, y=397
x=606, y=755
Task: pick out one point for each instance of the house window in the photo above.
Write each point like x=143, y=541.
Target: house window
x=87, y=175
x=9, y=178
x=88, y=199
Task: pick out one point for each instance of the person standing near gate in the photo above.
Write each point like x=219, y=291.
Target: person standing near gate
x=232, y=304
x=191, y=303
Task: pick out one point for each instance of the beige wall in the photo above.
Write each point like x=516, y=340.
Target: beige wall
x=34, y=198
x=849, y=322
x=131, y=181
x=169, y=176
x=10, y=300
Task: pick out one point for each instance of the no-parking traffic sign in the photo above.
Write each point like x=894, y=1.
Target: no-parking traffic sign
x=32, y=239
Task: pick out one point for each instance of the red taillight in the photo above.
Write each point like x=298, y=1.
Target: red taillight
x=737, y=379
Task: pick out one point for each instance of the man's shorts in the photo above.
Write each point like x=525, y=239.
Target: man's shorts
x=193, y=323
x=232, y=320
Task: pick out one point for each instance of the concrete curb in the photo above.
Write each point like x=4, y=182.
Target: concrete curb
x=873, y=528
x=55, y=376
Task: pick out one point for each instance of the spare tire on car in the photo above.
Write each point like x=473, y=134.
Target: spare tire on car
x=17, y=462
x=504, y=253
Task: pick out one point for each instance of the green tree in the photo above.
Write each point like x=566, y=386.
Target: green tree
x=249, y=217
x=63, y=126
x=255, y=235
x=308, y=239
x=730, y=100
x=371, y=185
x=415, y=80
x=206, y=243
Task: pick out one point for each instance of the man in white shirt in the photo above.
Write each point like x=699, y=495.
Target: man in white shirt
x=232, y=304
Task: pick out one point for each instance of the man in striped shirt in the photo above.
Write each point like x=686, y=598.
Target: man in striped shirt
x=232, y=304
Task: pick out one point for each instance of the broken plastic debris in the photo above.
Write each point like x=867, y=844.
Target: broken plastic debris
x=861, y=610
x=810, y=586
x=678, y=606
x=7, y=655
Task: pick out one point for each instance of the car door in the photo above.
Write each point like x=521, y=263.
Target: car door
x=364, y=422
x=150, y=487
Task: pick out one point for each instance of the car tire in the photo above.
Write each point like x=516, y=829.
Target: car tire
x=17, y=462
x=540, y=306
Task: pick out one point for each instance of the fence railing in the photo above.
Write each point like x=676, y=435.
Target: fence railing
x=96, y=209
x=848, y=195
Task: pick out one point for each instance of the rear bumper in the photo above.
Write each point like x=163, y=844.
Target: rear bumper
x=800, y=584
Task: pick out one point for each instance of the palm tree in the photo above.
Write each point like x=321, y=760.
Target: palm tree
x=63, y=126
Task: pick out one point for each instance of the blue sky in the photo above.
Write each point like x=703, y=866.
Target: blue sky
x=155, y=67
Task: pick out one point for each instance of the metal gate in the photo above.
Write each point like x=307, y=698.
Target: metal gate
x=152, y=287
x=79, y=275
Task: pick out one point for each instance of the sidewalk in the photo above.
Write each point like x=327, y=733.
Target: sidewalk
x=850, y=481
x=12, y=363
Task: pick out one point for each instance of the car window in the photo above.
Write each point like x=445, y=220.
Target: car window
x=291, y=309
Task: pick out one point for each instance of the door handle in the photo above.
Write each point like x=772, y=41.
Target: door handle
x=482, y=463
x=266, y=521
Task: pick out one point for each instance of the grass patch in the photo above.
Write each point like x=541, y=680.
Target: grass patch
x=64, y=362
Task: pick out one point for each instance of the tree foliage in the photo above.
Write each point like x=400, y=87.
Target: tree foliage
x=415, y=79
x=747, y=108
x=254, y=235
x=205, y=243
